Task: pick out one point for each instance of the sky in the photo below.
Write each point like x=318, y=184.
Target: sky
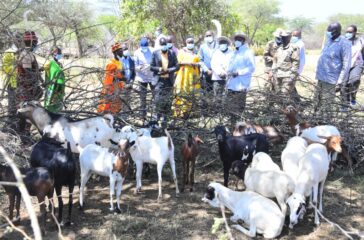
x=320, y=10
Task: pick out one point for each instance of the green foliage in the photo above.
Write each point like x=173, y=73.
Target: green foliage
x=301, y=23
x=348, y=19
x=258, y=50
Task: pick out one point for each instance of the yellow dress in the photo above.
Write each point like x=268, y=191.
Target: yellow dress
x=187, y=85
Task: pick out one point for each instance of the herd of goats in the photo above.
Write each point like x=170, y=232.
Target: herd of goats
x=105, y=150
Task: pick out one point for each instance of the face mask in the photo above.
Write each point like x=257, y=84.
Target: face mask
x=126, y=53
x=209, y=39
x=349, y=35
x=144, y=49
x=164, y=48
x=59, y=56
x=169, y=45
x=238, y=44
x=278, y=40
x=190, y=46
x=329, y=35
x=223, y=47
x=294, y=39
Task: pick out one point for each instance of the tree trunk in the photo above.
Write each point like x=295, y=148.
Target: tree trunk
x=79, y=41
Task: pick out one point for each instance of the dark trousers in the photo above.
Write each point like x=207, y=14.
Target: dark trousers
x=163, y=97
x=206, y=83
x=348, y=92
x=235, y=102
x=143, y=91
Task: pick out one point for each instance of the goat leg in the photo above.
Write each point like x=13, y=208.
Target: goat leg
x=17, y=206
x=192, y=174
x=60, y=203
x=118, y=193
x=112, y=190
x=43, y=212
x=70, y=204
x=183, y=174
x=11, y=205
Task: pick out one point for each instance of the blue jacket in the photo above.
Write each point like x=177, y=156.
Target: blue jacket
x=205, y=54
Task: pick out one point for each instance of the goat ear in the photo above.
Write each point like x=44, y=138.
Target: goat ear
x=323, y=137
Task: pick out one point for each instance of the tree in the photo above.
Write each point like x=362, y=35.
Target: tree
x=301, y=23
x=348, y=19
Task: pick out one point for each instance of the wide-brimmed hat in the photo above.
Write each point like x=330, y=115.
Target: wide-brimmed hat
x=223, y=38
x=115, y=47
x=241, y=35
x=285, y=33
x=278, y=32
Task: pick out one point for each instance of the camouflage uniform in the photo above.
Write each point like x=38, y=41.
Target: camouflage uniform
x=268, y=55
x=285, y=66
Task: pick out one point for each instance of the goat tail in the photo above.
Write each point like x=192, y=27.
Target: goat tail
x=170, y=142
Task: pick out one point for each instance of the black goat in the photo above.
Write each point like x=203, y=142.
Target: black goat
x=60, y=162
x=244, y=147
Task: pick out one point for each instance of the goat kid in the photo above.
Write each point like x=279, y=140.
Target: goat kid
x=98, y=160
x=272, y=133
x=262, y=215
x=190, y=149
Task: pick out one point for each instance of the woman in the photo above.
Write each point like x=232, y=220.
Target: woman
x=55, y=82
x=187, y=84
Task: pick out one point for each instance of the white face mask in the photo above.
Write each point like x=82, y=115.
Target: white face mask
x=223, y=47
x=190, y=46
x=126, y=53
x=169, y=45
x=209, y=39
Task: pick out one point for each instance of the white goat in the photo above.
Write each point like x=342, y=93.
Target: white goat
x=271, y=183
x=263, y=162
x=141, y=132
x=96, y=159
x=155, y=151
x=313, y=169
x=261, y=214
x=292, y=153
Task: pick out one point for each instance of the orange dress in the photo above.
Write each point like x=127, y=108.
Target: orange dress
x=110, y=101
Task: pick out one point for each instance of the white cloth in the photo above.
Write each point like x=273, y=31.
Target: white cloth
x=356, y=52
x=301, y=45
x=142, y=65
x=219, y=63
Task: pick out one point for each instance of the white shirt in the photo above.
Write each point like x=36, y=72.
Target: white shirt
x=142, y=65
x=301, y=45
x=219, y=63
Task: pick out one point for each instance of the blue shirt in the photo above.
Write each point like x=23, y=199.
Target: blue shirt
x=334, y=63
x=142, y=65
x=126, y=67
x=205, y=55
x=242, y=62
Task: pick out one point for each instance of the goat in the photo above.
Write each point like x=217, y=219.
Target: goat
x=313, y=169
x=152, y=150
x=261, y=214
x=294, y=121
x=232, y=148
x=38, y=181
x=263, y=162
x=96, y=159
x=272, y=133
x=292, y=153
x=190, y=149
x=97, y=130
x=61, y=164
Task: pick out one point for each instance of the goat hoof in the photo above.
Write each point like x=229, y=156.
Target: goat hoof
x=117, y=210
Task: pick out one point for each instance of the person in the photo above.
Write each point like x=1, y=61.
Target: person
x=158, y=35
x=170, y=45
x=351, y=85
x=285, y=67
x=268, y=55
x=144, y=77
x=128, y=66
x=206, y=51
x=187, y=84
x=54, y=82
x=29, y=80
x=333, y=66
x=113, y=83
x=240, y=71
x=164, y=65
x=297, y=40
x=219, y=64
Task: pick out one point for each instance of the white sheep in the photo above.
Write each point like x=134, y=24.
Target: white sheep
x=98, y=160
x=292, y=153
x=263, y=162
x=271, y=184
x=312, y=173
x=261, y=214
x=155, y=151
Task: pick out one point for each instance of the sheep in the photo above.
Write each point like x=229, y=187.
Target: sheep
x=270, y=183
x=152, y=150
x=292, y=153
x=262, y=215
x=96, y=159
x=97, y=130
x=232, y=148
x=190, y=149
x=60, y=163
x=312, y=173
x=272, y=133
x=263, y=162
x=38, y=181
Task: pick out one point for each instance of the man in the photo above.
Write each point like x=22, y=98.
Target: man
x=113, y=83
x=164, y=65
x=268, y=55
x=351, y=85
x=333, y=65
x=240, y=70
x=128, y=65
x=206, y=51
x=158, y=36
x=285, y=67
x=170, y=45
x=144, y=77
x=29, y=79
x=219, y=64
x=297, y=40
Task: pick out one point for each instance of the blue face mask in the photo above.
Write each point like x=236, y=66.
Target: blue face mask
x=238, y=44
x=329, y=35
x=164, y=48
x=144, y=49
x=190, y=46
x=169, y=45
x=278, y=40
x=294, y=39
x=58, y=57
x=223, y=47
x=349, y=35
x=209, y=39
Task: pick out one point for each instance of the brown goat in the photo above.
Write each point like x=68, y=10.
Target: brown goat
x=293, y=120
x=190, y=150
x=272, y=133
x=38, y=182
